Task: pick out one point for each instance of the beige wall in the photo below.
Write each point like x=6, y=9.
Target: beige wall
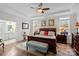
x=37, y=22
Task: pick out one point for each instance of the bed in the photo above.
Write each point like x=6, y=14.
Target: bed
x=50, y=40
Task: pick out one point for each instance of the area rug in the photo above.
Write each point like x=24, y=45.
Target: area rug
x=62, y=50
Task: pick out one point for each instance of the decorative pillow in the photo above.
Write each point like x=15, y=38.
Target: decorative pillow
x=50, y=33
x=42, y=32
x=46, y=33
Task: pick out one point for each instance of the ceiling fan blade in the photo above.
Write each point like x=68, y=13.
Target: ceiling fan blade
x=40, y=5
x=45, y=8
x=40, y=8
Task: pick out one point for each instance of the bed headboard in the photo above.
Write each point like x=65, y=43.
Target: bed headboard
x=48, y=29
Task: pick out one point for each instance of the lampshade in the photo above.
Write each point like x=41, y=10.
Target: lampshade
x=77, y=25
x=41, y=11
x=61, y=29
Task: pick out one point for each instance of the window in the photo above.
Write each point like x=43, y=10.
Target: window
x=64, y=25
x=10, y=26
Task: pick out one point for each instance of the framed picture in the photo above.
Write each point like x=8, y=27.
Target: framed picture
x=25, y=26
x=51, y=22
x=43, y=23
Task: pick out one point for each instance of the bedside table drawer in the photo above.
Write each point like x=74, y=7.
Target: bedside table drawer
x=62, y=39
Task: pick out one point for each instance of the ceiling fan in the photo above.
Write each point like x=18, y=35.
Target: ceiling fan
x=41, y=8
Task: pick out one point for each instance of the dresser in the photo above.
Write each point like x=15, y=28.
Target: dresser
x=73, y=37
x=76, y=44
x=61, y=38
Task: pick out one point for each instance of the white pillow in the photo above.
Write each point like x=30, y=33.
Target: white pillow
x=41, y=32
x=50, y=33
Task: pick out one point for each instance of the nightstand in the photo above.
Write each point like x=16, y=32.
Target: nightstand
x=61, y=38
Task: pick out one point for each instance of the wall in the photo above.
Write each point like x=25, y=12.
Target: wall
x=18, y=20
x=38, y=20
x=4, y=33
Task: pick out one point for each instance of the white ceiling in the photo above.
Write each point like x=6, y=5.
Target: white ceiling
x=23, y=9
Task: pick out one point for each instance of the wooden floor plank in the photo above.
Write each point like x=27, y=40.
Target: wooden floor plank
x=12, y=50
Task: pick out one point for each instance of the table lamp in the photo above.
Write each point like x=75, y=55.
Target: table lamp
x=61, y=29
x=77, y=26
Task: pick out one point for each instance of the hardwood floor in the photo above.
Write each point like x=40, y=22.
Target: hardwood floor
x=12, y=50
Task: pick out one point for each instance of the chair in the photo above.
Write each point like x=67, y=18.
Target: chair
x=1, y=43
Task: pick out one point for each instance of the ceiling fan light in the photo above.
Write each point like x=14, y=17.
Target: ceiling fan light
x=40, y=10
